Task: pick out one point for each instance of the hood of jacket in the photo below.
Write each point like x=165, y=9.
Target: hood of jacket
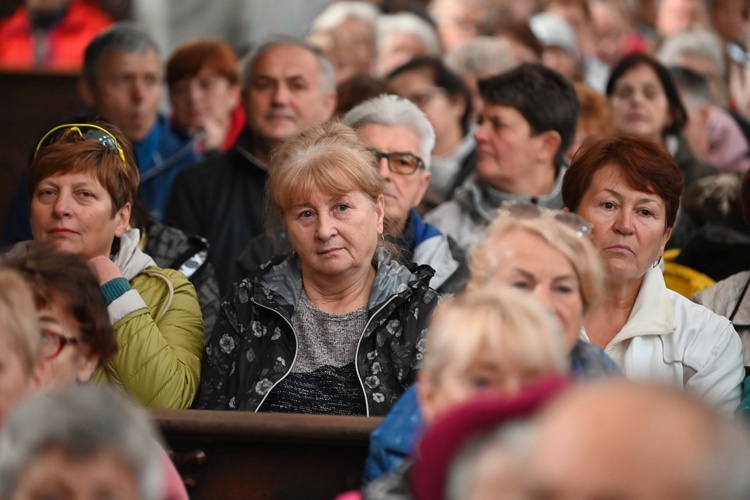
x=129, y=258
x=284, y=280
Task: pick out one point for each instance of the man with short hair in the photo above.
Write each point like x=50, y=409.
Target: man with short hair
x=619, y=439
x=122, y=84
x=288, y=86
x=402, y=139
x=527, y=122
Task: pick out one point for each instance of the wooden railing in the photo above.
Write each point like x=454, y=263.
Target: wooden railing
x=228, y=455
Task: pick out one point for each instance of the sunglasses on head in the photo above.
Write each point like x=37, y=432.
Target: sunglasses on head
x=86, y=131
x=525, y=210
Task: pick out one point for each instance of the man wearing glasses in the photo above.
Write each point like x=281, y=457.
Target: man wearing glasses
x=401, y=138
x=527, y=123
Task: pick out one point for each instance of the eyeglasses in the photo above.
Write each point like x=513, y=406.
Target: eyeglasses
x=525, y=210
x=53, y=343
x=400, y=163
x=85, y=131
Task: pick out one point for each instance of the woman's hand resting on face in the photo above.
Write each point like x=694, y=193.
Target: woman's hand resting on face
x=105, y=269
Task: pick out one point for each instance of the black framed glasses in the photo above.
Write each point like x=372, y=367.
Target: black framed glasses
x=400, y=163
x=525, y=210
x=53, y=343
x=86, y=131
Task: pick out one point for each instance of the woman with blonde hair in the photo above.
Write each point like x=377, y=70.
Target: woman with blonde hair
x=337, y=326
x=543, y=253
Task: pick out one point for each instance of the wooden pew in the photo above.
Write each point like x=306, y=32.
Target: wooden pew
x=32, y=103
x=242, y=455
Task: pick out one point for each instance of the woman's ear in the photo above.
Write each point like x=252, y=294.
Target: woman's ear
x=87, y=367
x=122, y=217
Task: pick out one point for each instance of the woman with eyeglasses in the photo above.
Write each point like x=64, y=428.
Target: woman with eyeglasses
x=81, y=183
x=546, y=255
x=337, y=326
x=629, y=189
x=77, y=337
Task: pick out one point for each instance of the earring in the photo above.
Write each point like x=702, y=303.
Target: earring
x=657, y=262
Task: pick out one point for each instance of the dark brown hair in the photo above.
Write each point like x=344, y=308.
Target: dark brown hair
x=644, y=163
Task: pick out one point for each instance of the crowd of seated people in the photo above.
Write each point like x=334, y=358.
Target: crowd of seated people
x=461, y=216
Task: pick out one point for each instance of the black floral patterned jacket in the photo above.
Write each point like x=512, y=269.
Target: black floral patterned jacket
x=253, y=346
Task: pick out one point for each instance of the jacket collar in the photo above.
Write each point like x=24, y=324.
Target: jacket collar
x=483, y=200
x=283, y=280
x=129, y=257
x=652, y=312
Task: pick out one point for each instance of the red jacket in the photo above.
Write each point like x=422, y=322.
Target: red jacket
x=66, y=41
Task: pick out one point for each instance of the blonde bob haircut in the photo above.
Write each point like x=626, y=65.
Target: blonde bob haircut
x=329, y=158
x=498, y=319
x=19, y=322
x=580, y=252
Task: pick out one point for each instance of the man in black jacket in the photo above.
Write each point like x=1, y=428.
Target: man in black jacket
x=288, y=86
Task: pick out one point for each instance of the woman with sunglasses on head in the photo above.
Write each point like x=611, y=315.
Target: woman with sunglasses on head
x=629, y=188
x=548, y=256
x=81, y=183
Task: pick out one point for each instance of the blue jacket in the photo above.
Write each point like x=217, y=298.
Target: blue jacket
x=162, y=154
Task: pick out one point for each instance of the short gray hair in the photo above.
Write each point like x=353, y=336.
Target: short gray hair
x=392, y=111
x=412, y=24
x=83, y=421
x=482, y=56
x=125, y=36
x=327, y=74
x=338, y=12
x=697, y=42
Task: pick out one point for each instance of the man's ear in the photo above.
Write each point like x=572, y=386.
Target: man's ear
x=330, y=101
x=86, y=91
x=426, y=394
x=550, y=145
x=425, y=183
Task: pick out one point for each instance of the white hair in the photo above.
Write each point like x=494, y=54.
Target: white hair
x=697, y=42
x=392, y=111
x=412, y=24
x=83, y=421
x=482, y=56
x=338, y=12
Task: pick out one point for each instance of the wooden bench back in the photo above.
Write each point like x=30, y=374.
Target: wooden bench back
x=244, y=455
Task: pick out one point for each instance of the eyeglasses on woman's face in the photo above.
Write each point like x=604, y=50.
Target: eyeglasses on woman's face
x=53, y=343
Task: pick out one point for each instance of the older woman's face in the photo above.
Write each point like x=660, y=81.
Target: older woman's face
x=74, y=212
x=335, y=235
x=629, y=225
x=530, y=264
x=71, y=363
x=639, y=104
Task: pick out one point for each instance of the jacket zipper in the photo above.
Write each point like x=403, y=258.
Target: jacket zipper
x=356, y=353
x=296, y=349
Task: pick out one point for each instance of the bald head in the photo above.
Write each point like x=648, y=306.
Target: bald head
x=623, y=440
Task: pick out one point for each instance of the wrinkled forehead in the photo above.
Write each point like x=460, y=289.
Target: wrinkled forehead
x=285, y=62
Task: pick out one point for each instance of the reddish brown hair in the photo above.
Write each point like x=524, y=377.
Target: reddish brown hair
x=71, y=153
x=67, y=278
x=644, y=163
x=193, y=56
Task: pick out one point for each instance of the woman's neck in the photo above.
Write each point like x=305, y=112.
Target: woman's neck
x=339, y=296
x=608, y=317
